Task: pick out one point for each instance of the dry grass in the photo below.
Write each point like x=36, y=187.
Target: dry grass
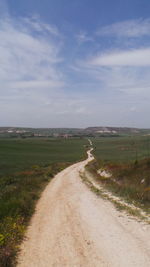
x=130, y=181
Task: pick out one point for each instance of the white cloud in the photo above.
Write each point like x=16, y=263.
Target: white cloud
x=28, y=56
x=39, y=89
x=136, y=57
x=82, y=37
x=41, y=27
x=130, y=28
x=32, y=90
x=131, y=81
x=119, y=74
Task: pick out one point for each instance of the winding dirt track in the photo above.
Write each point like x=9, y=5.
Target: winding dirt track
x=72, y=227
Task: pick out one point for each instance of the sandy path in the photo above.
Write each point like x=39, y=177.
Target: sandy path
x=73, y=227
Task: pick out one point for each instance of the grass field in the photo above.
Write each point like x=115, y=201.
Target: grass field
x=128, y=160
x=122, y=149
x=26, y=166
x=19, y=154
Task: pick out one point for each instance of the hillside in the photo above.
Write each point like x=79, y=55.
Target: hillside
x=116, y=130
x=62, y=132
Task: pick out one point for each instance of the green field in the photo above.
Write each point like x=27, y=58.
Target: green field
x=26, y=166
x=19, y=154
x=122, y=149
x=128, y=161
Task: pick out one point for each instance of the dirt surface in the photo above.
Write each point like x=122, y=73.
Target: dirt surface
x=72, y=227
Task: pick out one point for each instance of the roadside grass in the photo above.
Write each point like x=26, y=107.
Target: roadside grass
x=130, y=181
x=18, y=196
x=21, y=184
x=128, y=160
x=102, y=190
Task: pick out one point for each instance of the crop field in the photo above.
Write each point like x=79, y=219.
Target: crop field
x=122, y=149
x=26, y=166
x=19, y=154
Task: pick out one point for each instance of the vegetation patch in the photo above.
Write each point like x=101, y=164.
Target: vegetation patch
x=127, y=160
x=100, y=190
x=20, y=154
x=130, y=181
x=26, y=167
x=122, y=149
x=18, y=196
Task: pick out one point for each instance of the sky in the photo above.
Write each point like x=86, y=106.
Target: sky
x=75, y=63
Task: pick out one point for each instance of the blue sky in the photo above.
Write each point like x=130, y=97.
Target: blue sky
x=66, y=63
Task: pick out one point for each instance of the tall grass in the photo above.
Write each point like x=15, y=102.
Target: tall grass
x=129, y=180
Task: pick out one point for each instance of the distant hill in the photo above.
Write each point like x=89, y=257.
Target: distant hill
x=115, y=130
x=23, y=131
x=90, y=131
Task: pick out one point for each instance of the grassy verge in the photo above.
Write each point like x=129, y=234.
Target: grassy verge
x=130, y=181
x=103, y=193
x=127, y=159
x=18, y=197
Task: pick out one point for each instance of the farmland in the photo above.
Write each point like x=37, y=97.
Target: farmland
x=19, y=154
x=122, y=149
x=26, y=166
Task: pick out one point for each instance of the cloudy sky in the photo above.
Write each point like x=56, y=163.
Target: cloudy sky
x=75, y=63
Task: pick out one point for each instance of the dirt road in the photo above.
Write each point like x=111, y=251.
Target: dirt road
x=72, y=227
